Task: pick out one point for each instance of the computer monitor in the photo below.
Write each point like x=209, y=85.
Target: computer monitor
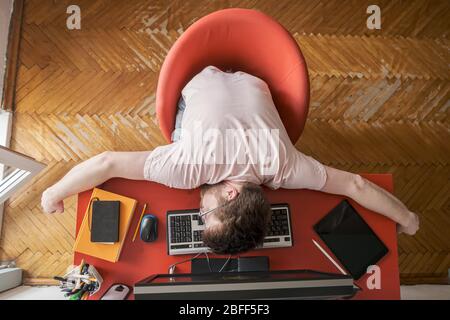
x=285, y=284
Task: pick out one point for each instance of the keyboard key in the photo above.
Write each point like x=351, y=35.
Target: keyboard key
x=181, y=246
x=272, y=240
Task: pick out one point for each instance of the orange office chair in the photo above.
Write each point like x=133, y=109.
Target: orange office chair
x=241, y=40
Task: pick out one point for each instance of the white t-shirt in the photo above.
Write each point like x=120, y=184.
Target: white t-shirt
x=231, y=130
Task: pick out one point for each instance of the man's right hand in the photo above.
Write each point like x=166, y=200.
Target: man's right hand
x=49, y=204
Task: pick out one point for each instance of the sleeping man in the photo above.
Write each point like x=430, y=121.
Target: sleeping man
x=229, y=141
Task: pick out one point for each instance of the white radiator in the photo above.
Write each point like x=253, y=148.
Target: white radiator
x=10, y=278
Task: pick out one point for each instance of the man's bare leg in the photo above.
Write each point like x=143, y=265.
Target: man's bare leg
x=93, y=172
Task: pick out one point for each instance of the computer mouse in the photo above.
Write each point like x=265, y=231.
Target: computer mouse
x=149, y=228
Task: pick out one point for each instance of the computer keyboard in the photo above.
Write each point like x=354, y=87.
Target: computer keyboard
x=185, y=228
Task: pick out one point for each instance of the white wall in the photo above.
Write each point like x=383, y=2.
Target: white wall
x=6, y=7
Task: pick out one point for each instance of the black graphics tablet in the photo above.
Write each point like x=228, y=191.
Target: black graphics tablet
x=350, y=239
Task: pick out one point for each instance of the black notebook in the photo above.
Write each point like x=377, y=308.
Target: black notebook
x=350, y=239
x=105, y=221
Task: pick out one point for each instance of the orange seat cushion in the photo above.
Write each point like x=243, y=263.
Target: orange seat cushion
x=241, y=40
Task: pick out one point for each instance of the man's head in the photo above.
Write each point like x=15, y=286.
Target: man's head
x=240, y=220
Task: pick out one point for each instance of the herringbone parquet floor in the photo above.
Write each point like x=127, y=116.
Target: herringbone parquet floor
x=379, y=103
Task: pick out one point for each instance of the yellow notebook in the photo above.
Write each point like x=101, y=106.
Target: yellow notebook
x=109, y=252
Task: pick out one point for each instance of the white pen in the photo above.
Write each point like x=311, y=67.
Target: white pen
x=329, y=258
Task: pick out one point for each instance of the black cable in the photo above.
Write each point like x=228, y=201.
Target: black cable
x=207, y=259
x=187, y=260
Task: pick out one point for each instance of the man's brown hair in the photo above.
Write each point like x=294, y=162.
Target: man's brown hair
x=245, y=221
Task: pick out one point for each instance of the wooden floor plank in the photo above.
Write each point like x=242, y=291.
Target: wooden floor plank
x=380, y=102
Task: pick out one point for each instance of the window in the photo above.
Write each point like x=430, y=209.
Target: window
x=19, y=169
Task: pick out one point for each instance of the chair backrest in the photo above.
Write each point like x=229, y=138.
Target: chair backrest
x=242, y=40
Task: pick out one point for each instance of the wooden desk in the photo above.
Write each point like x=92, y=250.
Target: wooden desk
x=139, y=259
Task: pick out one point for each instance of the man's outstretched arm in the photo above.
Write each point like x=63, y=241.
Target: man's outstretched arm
x=372, y=197
x=93, y=172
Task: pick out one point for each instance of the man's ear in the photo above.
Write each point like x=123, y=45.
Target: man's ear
x=230, y=192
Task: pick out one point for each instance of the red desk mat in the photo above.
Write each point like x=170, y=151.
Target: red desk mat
x=139, y=259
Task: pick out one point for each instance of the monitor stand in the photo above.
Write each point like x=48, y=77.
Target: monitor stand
x=241, y=264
